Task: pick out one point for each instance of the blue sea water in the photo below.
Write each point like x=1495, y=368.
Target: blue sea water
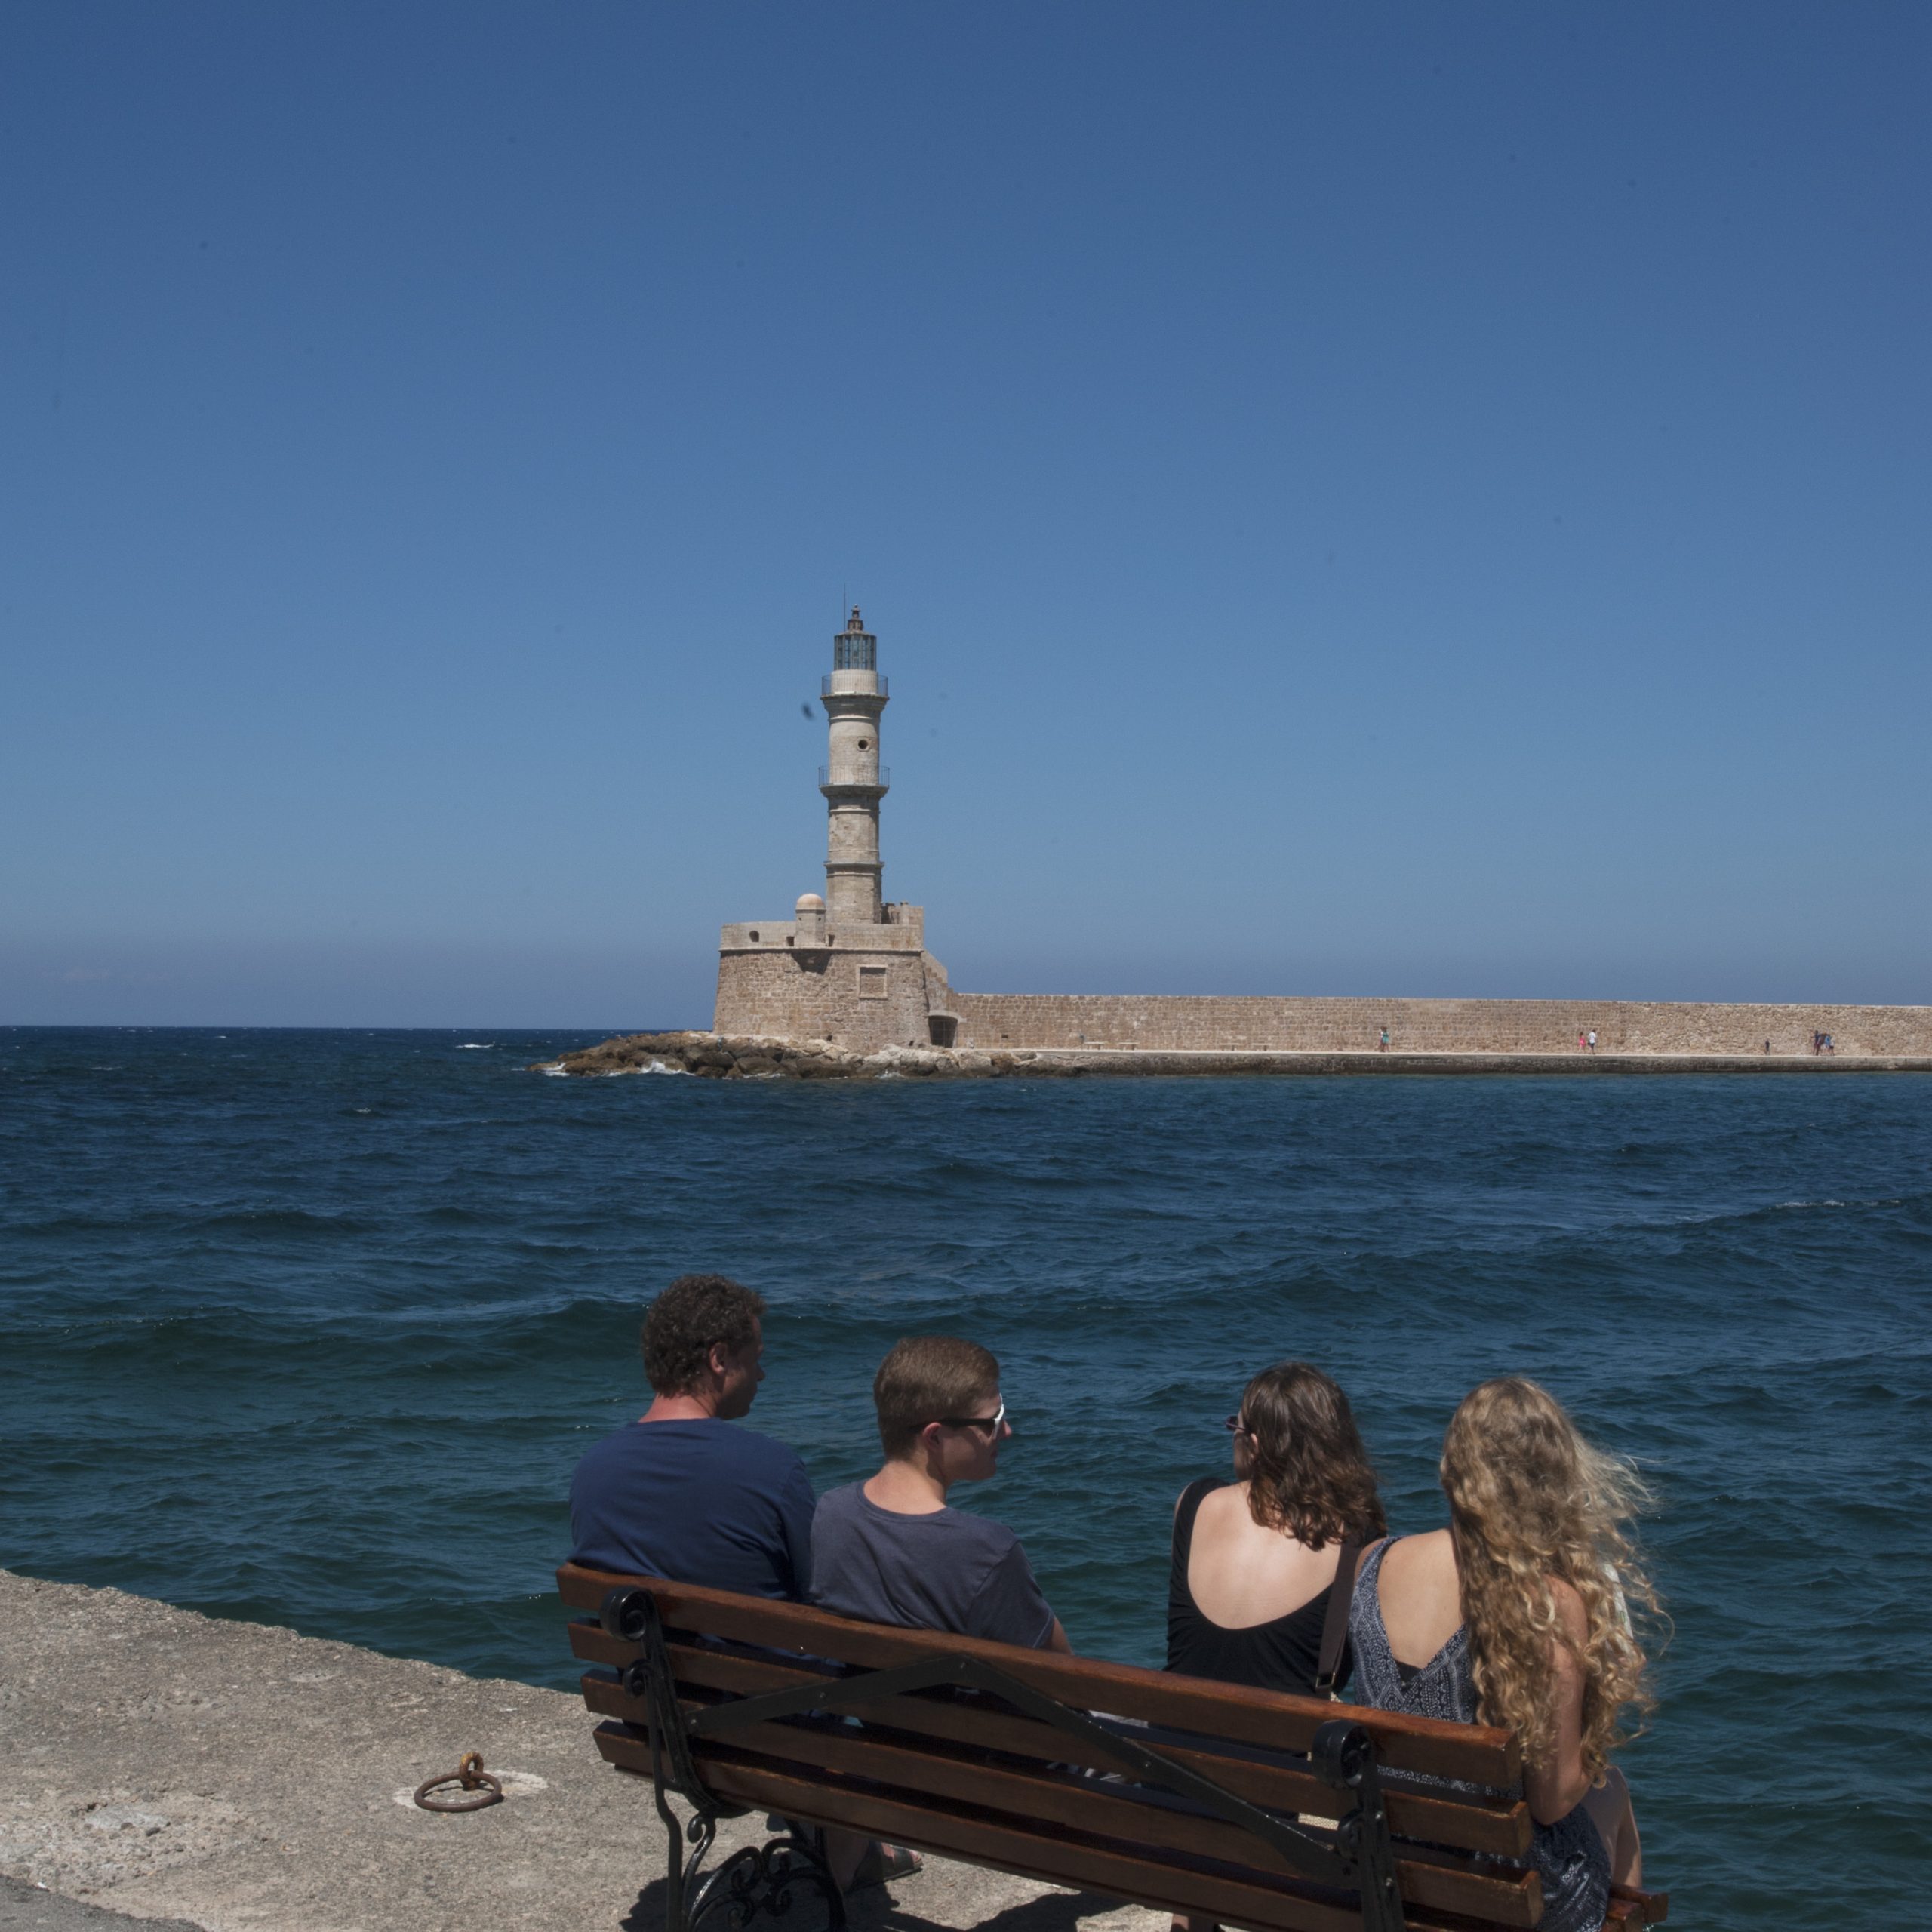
x=311, y=1327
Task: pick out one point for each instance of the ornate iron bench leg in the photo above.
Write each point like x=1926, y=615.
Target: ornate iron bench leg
x=1344, y=1756
x=762, y=1877
x=676, y=1869
x=755, y=1878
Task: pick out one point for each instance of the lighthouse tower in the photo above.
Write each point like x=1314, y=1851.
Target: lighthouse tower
x=847, y=969
x=852, y=779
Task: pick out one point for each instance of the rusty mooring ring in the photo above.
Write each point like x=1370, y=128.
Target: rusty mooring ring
x=482, y=1788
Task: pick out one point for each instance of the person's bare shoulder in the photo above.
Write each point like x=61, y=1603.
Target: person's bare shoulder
x=1420, y=1559
x=1570, y=1610
x=1227, y=1504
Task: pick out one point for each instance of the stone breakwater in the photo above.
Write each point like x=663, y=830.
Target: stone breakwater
x=1316, y=1023
x=244, y=1779
x=733, y=1056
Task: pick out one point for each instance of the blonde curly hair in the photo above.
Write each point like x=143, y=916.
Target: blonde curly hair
x=1529, y=1499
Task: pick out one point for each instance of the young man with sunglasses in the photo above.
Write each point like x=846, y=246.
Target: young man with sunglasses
x=892, y=1550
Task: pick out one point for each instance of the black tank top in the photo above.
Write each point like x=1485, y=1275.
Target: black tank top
x=1283, y=1655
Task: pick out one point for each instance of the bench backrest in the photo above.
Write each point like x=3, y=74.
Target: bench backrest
x=989, y=1779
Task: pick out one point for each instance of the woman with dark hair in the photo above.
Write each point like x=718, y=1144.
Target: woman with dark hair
x=1255, y=1560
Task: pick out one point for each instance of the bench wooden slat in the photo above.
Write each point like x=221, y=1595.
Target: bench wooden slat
x=1099, y=1811
x=1053, y=1858
x=1475, y=1752
x=1631, y=1905
x=971, y=1776
x=1501, y=1831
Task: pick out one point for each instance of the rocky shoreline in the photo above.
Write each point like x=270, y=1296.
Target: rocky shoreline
x=731, y=1057
x=735, y=1056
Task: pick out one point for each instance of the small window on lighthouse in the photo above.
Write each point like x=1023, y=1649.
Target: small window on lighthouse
x=864, y=743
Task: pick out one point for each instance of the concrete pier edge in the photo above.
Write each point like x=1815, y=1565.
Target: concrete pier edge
x=239, y=1777
x=730, y=1056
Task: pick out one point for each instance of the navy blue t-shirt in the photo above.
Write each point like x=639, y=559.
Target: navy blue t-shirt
x=948, y=1570
x=702, y=1502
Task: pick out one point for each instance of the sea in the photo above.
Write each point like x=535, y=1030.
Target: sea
x=310, y=1327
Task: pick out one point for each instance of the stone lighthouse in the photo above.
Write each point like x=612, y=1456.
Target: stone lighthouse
x=852, y=780
x=850, y=967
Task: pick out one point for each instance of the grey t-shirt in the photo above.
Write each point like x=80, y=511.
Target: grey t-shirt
x=950, y=1570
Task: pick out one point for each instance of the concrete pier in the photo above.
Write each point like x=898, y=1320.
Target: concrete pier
x=239, y=1778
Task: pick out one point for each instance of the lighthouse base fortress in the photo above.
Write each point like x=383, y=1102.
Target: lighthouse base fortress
x=846, y=985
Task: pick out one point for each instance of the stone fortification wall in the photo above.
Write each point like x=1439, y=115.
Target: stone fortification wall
x=1185, y=1022
x=859, y=997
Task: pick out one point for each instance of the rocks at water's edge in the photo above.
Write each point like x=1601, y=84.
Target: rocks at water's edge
x=726, y=1057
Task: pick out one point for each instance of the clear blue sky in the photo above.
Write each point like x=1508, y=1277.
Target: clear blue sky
x=1415, y=499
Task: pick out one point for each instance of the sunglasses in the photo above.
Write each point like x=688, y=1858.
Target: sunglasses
x=1234, y=1426
x=991, y=1424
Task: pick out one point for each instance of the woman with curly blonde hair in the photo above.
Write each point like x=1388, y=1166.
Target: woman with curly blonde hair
x=1516, y=1615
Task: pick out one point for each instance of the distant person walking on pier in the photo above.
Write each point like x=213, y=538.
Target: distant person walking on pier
x=1593, y=1039
x=1385, y=1039
x=682, y=1492
x=1579, y=1043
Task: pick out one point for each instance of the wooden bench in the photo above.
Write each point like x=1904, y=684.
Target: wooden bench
x=1276, y=1813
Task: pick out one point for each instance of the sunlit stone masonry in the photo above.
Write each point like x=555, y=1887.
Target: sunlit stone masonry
x=850, y=968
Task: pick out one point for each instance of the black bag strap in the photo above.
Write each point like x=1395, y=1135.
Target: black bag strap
x=1335, y=1625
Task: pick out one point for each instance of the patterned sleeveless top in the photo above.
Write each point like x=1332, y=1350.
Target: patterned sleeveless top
x=1569, y=1855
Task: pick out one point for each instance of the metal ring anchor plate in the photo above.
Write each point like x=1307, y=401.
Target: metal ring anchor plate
x=478, y=1787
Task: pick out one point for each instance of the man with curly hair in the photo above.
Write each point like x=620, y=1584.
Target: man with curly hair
x=682, y=1492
